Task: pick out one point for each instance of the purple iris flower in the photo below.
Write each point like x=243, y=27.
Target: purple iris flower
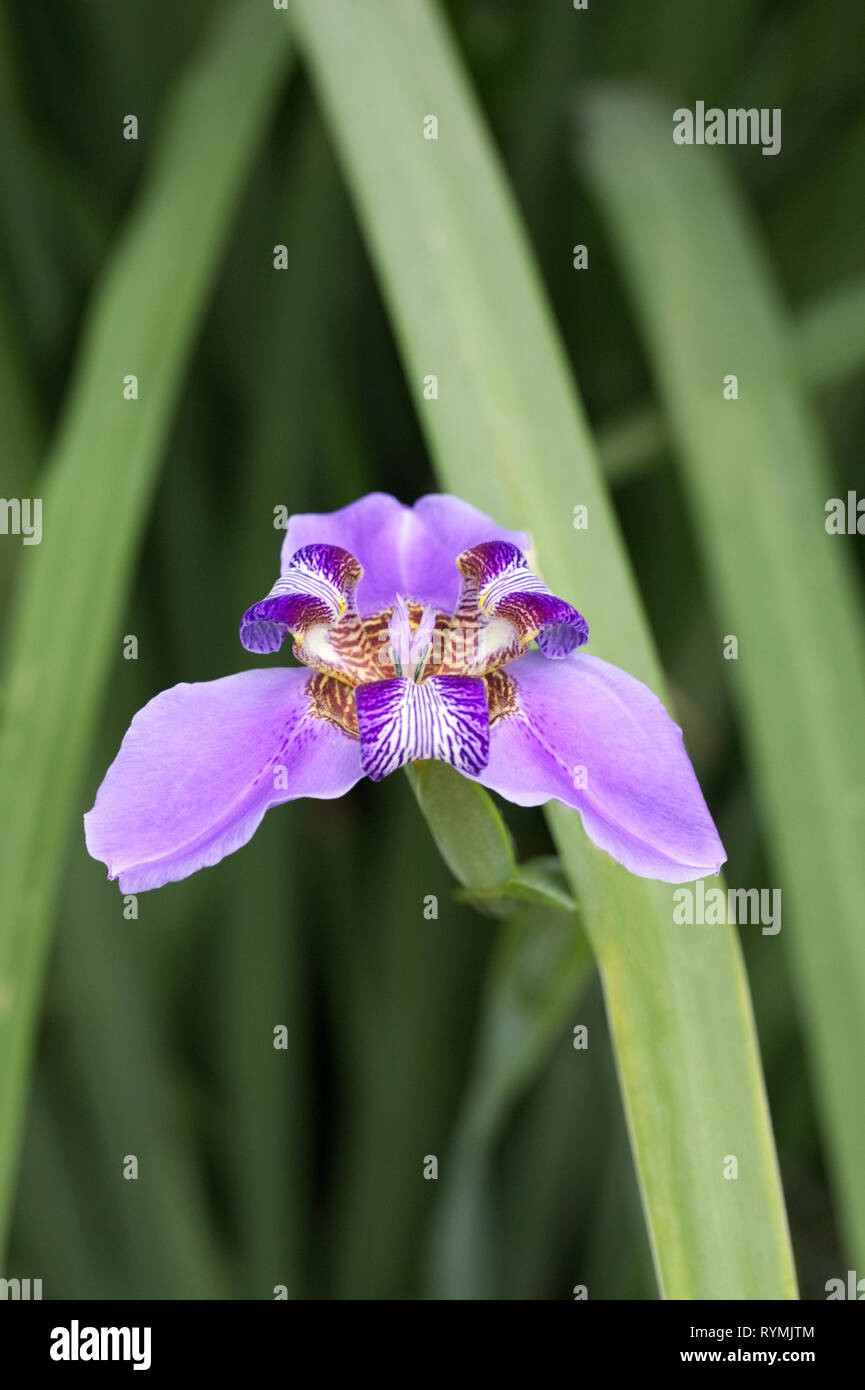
x=414, y=627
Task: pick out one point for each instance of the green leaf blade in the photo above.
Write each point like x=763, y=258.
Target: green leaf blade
x=758, y=483
x=508, y=433
x=99, y=482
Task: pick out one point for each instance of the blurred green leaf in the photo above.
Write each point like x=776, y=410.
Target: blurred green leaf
x=538, y=972
x=22, y=433
x=122, y=1087
x=404, y=996
x=758, y=482
x=21, y=427
x=829, y=336
x=828, y=347
x=507, y=433
x=98, y=487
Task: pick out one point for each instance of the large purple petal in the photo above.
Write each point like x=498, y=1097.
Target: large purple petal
x=403, y=550
x=444, y=717
x=590, y=735
x=200, y=765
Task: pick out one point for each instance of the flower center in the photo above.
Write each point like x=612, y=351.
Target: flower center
x=410, y=647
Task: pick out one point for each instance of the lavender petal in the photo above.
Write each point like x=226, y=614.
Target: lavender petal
x=403, y=550
x=588, y=734
x=200, y=765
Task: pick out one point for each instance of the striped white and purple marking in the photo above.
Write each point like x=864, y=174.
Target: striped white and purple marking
x=444, y=717
x=497, y=579
x=317, y=587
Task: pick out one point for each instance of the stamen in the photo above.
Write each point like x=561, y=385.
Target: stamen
x=399, y=629
x=422, y=640
x=410, y=649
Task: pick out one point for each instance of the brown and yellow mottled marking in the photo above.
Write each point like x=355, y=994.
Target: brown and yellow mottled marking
x=456, y=648
x=334, y=700
x=501, y=695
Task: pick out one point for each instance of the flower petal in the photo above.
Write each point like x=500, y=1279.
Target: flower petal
x=317, y=587
x=200, y=765
x=444, y=717
x=315, y=601
x=516, y=604
x=592, y=736
x=403, y=550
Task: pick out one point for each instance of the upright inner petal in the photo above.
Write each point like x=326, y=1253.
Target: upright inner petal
x=315, y=601
x=515, y=605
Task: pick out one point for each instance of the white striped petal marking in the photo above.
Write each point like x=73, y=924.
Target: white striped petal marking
x=318, y=587
x=516, y=604
x=443, y=717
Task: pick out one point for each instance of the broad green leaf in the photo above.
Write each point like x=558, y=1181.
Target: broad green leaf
x=758, y=482
x=827, y=344
x=507, y=432
x=99, y=482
